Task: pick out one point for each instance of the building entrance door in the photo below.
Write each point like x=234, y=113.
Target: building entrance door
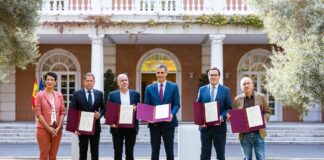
x=149, y=78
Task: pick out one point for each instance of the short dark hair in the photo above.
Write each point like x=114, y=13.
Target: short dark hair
x=52, y=74
x=88, y=74
x=214, y=68
x=162, y=66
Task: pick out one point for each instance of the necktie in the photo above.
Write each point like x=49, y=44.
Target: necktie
x=212, y=94
x=161, y=92
x=89, y=100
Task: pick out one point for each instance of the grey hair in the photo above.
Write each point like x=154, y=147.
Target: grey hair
x=162, y=66
x=88, y=74
x=245, y=78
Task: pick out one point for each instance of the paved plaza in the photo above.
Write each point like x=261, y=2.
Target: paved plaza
x=142, y=152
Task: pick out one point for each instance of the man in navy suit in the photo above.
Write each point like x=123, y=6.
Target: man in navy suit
x=90, y=100
x=163, y=92
x=214, y=134
x=124, y=96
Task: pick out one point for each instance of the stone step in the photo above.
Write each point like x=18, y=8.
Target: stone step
x=278, y=133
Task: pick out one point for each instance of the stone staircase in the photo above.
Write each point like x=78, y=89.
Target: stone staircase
x=278, y=133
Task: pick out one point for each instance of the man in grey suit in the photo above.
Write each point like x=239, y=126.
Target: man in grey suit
x=124, y=96
x=158, y=93
x=214, y=134
x=90, y=100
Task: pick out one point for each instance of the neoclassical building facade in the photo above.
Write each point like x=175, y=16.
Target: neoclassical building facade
x=71, y=45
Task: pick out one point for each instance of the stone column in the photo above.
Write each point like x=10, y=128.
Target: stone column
x=97, y=65
x=216, y=57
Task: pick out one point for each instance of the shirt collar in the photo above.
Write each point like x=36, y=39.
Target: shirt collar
x=164, y=83
x=88, y=90
x=211, y=86
x=124, y=93
x=252, y=96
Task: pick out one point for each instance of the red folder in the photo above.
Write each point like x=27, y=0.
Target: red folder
x=146, y=113
x=239, y=121
x=73, y=121
x=112, y=115
x=199, y=115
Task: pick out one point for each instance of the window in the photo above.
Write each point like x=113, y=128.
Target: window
x=151, y=62
x=253, y=65
x=66, y=67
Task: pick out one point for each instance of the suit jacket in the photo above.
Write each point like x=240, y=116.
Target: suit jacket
x=223, y=98
x=79, y=102
x=259, y=99
x=134, y=96
x=170, y=96
x=43, y=107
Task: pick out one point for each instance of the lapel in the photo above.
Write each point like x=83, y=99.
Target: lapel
x=96, y=97
x=256, y=99
x=167, y=88
x=47, y=98
x=84, y=98
x=56, y=99
x=240, y=101
x=156, y=90
x=207, y=93
x=218, y=92
x=131, y=97
x=118, y=97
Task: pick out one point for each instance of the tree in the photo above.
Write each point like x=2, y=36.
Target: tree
x=203, y=80
x=18, y=40
x=297, y=75
x=109, y=82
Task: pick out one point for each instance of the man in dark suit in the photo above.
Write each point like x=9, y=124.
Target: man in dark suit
x=214, y=134
x=90, y=100
x=124, y=96
x=163, y=92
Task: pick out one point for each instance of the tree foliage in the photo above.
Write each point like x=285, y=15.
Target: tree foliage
x=18, y=40
x=109, y=83
x=297, y=75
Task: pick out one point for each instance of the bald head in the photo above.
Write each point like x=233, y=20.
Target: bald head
x=247, y=86
x=122, y=82
x=121, y=76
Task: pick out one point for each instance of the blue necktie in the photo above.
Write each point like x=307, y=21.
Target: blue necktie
x=212, y=94
x=89, y=100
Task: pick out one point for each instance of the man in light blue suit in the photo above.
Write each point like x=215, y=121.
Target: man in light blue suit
x=214, y=134
x=124, y=96
x=163, y=92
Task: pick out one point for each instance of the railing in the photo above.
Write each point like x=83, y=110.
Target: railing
x=144, y=7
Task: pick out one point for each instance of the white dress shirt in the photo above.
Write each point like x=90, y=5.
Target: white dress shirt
x=125, y=98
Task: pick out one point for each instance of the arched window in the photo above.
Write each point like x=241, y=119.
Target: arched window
x=253, y=64
x=67, y=68
x=149, y=66
x=152, y=61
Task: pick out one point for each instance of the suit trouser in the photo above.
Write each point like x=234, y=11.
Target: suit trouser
x=208, y=137
x=168, y=139
x=94, y=146
x=119, y=135
x=48, y=145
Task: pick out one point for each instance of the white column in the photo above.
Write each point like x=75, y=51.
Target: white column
x=189, y=145
x=216, y=57
x=97, y=67
x=97, y=56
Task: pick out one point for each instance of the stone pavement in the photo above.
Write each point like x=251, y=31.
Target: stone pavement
x=142, y=152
